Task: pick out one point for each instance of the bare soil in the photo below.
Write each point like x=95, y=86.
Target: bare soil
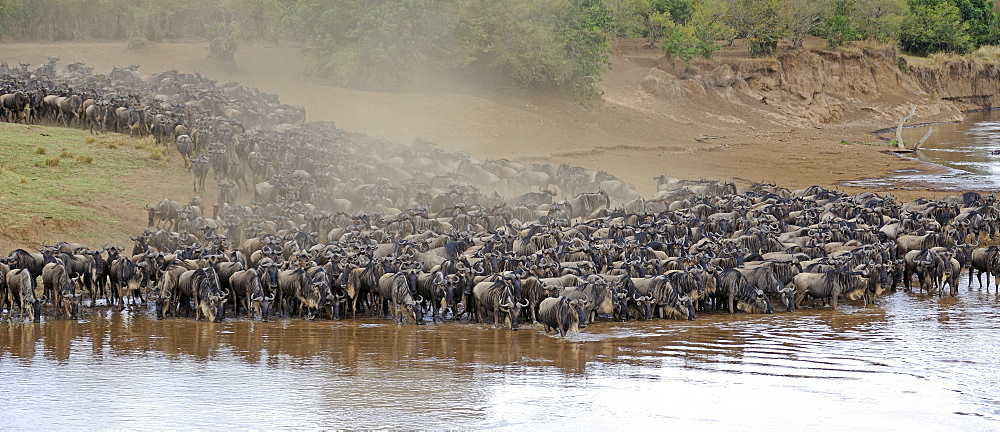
x=627, y=131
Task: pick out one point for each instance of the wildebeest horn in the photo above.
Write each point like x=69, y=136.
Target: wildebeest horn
x=636, y=296
x=420, y=298
x=439, y=278
x=453, y=278
x=523, y=305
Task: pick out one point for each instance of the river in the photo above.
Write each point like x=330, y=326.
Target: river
x=911, y=362
x=965, y=149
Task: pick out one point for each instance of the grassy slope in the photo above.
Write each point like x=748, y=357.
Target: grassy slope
x=94, y=194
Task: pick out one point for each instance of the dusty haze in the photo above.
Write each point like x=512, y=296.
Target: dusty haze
x=629, y=132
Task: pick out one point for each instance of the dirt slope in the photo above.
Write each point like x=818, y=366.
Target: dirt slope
x=797, y=120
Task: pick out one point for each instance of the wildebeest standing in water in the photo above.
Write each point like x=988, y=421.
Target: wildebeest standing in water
x=22, y=294
x=562, y=314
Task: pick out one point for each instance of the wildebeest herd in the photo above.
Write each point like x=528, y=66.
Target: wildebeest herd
x=333, y=224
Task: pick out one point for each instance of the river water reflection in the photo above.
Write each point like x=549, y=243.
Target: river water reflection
x=914, y=361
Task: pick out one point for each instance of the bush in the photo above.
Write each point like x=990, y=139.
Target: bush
x=54, y=162
x=40, y=150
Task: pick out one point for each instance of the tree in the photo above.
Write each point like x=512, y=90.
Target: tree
x=802, y=17
x=698, y=37
x=758, y=22
x=839, y=27
x=879, y=19
x=934, y=27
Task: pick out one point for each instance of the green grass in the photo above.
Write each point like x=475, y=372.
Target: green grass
x=69, y=187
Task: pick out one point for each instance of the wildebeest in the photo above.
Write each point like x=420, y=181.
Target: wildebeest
x=832, y=285
x=597, y=297
x=497, y=297
x=199, y=167
x=394, y=291
x=765, y=280
x=562, y=314
x=127, y=279
x=209, y=299
x=165, y=211
x=246, y=285
x=61, y=289
x=735, y=288
x=15, y=107
x=22, y=294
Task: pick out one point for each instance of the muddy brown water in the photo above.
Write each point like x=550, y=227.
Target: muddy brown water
x=969, y=152
x=912, y=361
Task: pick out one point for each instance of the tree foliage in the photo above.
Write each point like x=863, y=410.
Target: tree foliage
x=934, y=26
x=758, y=22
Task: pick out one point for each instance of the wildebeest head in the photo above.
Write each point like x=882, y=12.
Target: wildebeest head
x=215, y=306
x=211, y=300
x=760, y=303
x=514, y=307
x=161, y=299
x=645, y=306
x=579, y=308
x=261, y=306
x=35, y=309
x=71, y=301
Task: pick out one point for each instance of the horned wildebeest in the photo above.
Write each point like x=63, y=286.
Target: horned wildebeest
x=952, y=273
x=16, y=106
x=127, y=279
x=290, y=284
x=927, y=265
x=68, y=109
x=31, y=261
x=61, y=289
x=320, y=294
x=80, y=266
x=639, y=302
x=98, y=115
x=667, y=300
x=185, y=146
x=4, y=296
x=597, y=297
x=199, y=167
x=535, y=290
x=497, y=297
x=562, y=314
x=394, y=290
x=208, y=297
x=361, y=281
x=832, y=285
x=764, y=279
x=256, y=301
x=735, y=288
x=985, y=260
x=22, y=294
x=439, y=289
x=165, y=211
x=535, y=199
x=585, y=204
x=168, y=294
